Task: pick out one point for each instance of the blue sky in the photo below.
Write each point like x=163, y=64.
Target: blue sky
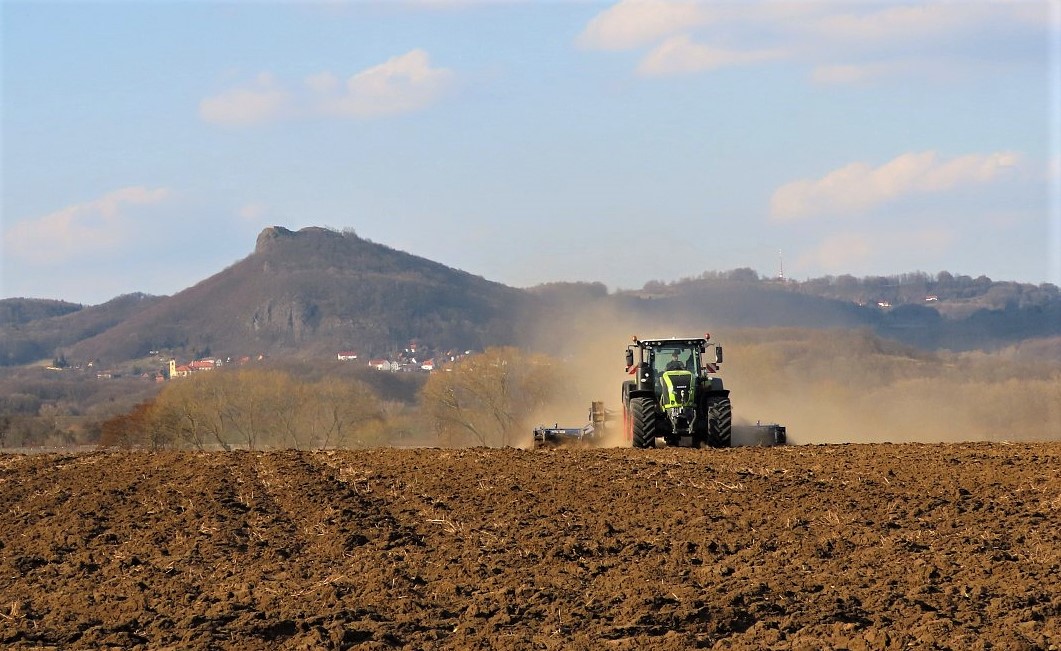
x=144, y=145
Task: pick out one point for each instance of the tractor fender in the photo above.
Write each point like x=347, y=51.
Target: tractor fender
x=714, y=385
x=639, y=393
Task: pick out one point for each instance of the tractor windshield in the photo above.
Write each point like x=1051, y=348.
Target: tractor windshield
x=675, y=358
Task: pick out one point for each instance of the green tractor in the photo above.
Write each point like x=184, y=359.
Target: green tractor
x=676, y=397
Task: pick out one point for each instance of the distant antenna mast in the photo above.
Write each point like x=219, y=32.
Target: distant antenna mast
x=780, y=266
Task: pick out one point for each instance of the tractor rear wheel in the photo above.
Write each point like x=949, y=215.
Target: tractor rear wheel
x=719, y=423
x=645, y=418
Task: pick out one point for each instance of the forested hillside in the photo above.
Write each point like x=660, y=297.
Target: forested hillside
x=17, y=311
x=314, y=292
x=940, y=311
x=33, y=331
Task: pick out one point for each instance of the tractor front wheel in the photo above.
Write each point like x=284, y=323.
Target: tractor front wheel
x=645, y=420
x=719, y=423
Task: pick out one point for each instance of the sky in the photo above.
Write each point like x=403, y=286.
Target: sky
x=146, y=144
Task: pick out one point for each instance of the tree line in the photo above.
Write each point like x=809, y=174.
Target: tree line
x=839, y=386
x=482, y=400
x=250, y=409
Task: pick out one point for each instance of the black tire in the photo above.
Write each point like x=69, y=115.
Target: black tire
x=646, y=422
x=719, y=423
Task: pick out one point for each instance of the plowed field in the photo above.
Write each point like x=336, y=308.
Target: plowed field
x=876, y=546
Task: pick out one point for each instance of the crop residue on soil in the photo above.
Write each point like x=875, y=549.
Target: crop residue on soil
x=857, y=546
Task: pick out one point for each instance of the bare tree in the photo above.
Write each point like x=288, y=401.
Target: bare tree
x=263, y=407
x=188, y=405
x=485, y=399
x=338, y=411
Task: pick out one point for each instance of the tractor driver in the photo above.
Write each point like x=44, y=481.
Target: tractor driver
x=675, y=364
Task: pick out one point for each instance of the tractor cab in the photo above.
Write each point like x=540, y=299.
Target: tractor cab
x=652, y=360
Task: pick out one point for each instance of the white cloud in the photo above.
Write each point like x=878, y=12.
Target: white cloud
x=81, y=229
x=680, y=55
x=402, y=84
x=841, y=41
x=635, y=23
x=260, y=102
x=857, y=188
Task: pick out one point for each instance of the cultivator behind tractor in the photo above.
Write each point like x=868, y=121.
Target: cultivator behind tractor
x=574, y=436
x=760, y=435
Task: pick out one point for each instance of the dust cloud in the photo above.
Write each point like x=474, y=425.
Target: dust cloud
x=825, y=386
x=853, y=387
x=590, y=340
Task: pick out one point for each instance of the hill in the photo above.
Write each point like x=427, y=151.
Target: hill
x=18, y=311
x=931, y=312
x=994, y=317
x=33, y=330
x=315, y=292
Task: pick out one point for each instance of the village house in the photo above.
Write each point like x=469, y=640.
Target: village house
x=175, y=370
x=383, y=365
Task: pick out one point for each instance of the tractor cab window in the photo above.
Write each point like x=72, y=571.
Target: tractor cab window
x=675, y=359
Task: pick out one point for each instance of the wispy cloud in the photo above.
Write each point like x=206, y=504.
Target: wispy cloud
x=402, y=84
x=92, y=227
x=680, y=55
x=631, y=24
x=260, y=101
x=839, y=41
x=858, y=187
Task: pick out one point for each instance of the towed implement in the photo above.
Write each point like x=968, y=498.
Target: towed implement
x=574, y=436
x=760, y=435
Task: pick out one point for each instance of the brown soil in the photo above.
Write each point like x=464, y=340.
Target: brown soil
x=806, y=547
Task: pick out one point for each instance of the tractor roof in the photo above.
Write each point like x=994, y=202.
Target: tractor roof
x=673, y=341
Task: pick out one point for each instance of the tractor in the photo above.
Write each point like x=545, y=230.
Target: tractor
x=676, y=397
